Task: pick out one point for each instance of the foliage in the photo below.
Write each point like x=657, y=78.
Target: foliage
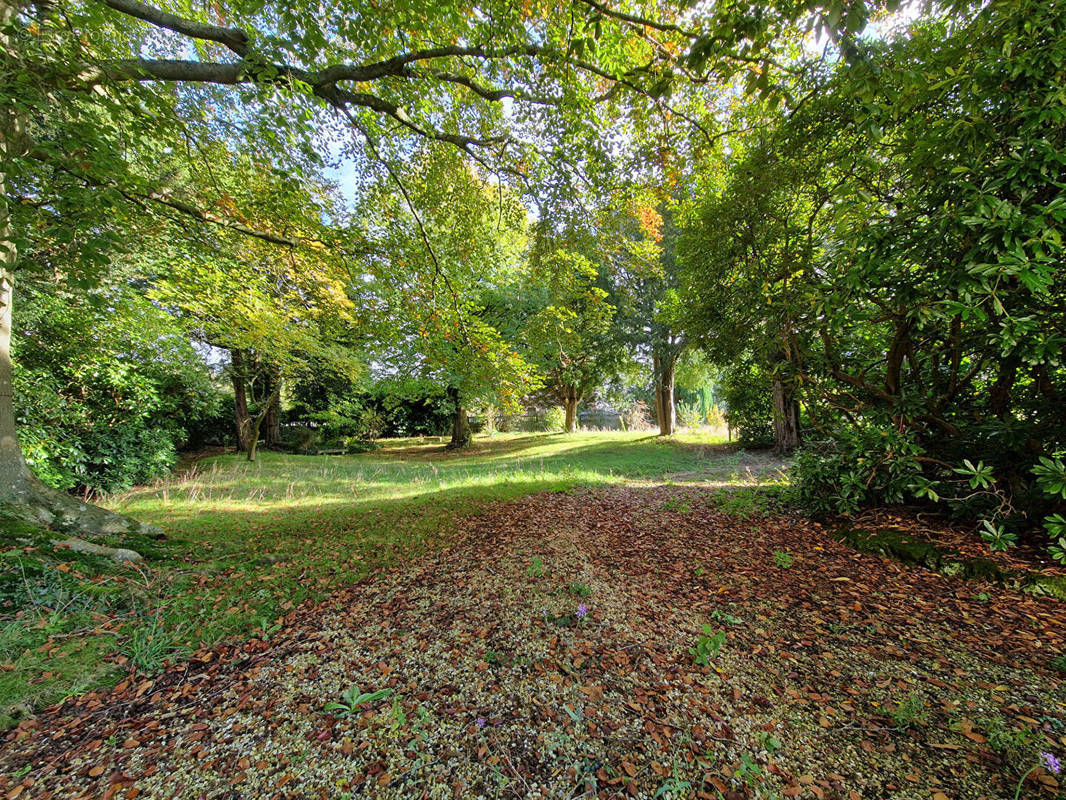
x=891, y=247
x=783, y=559
x=861, y=466
x=746, y=393
x=708, y=645
x=107, y=388
x=1019, y=747
x=554, y=419
x=715, y=418
x=909, y=711
x=636, y=417
x=573, y=336
x=724, y=616
x=688, y=415
x=462, y=241
x=352, y=698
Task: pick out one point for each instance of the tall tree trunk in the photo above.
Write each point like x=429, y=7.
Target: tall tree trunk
x=571, y=400
x=256, y=422
x=273, y=414
x=665, y=412
x=238, y=374
x=669, y=410
x=13, y=468
x=461, y=435
x=786, y=417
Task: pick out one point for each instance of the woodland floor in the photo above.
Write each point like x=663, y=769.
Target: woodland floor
x=841, y=675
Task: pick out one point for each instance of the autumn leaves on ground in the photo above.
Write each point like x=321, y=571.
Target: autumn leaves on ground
x=661, y=626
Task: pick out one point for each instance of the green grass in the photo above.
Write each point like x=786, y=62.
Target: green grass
x=246, y=542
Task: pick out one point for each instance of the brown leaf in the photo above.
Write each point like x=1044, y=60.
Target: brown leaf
x=593, y=693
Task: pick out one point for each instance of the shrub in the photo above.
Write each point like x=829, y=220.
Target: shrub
x=688, y=415
x=637, y=417
x=862, y=466
x=715, y=417
x=300, y=438
x=107, y=403
x=746, y=389
x=371, y=424
x=554, y=420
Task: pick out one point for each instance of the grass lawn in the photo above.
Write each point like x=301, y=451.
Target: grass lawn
x=248, y=542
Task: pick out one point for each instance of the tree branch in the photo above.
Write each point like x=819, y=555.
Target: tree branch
x=633, y=19
x=164, y=199
x=232, y=38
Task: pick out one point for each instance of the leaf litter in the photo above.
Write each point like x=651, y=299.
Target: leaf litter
x=841, y=675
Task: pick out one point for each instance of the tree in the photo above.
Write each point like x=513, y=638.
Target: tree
x=277, y=318
x=116, y=76
x=458, y=254
x=645, y=284
x=747, y=256
x=107, y=388
x=572, y=336
x=914, y=254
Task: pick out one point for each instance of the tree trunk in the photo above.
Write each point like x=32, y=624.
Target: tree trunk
x=238, y=370
x=669, y=411
x=21, y=495
x=571, y=400
x=461, y=435
x=253, y=438
x=256, y=423
x=273, y=414
x=12, y=466
x=786, y=417
x=664, y=394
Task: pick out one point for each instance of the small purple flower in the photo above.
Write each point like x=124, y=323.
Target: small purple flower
x=1052, y=763
x=582, y=611
x=480, y=723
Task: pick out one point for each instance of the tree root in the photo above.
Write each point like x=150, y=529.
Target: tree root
x=33, y=503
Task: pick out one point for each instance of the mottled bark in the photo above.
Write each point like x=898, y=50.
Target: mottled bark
x=786, y=417
x=238, y=375
x=461, y=434
x=571, y=396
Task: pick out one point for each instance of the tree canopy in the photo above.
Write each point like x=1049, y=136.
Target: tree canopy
x=849, y=215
